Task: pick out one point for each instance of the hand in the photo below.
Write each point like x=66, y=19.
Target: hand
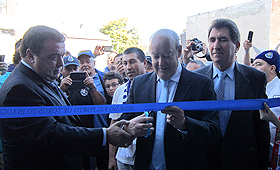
x=98, y=51
x=117, y=136
x=187, y=52
x=138, y=126
x=120, y=69
x=175, y=116
x=3, y=68
x=66, y=82
x=89, y=81
x=247, y=45
x=267, y=114
x=112, y=164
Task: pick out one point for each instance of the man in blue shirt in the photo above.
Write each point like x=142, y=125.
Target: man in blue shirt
x=245, y=138
x=87, y=64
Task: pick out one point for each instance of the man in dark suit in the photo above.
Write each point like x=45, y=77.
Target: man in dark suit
x=48, y=142
x=245, y=143
x=188, y=135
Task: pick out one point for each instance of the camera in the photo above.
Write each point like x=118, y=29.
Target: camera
x=197, y=45
x=78, y=80
x=250, y=36
x=2, y=57
x=107, y=48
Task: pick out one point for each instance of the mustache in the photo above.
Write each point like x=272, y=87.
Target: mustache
x=217, y=51
x=130, y=71
x=163, y=68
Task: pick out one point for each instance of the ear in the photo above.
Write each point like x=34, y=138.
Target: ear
x=237, y=47
x=272, y=69
x=145, y=63
x=180, y=51
x=30, y=56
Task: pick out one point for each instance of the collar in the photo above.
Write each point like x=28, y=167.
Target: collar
x=95, y=76
x=27, y=65
x=272, y=82
x=49, y=82
x=176, y=76
x=229, y=71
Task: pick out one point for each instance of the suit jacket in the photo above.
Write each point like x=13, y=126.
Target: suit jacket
x=184, y=152
x=246, y=141
x=42, y=142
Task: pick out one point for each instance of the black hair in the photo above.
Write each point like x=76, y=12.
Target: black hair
x=16, y=57
x=35, y=37
x=17, y=44
x=112, y=75
x=140, y=54
x=118, y=55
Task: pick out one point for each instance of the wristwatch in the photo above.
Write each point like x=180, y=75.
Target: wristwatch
x=91, y=90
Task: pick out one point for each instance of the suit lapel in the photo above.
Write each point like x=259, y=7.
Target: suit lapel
x=183, y=86
x=209, y=72
x=151, y=98
x=241, y=83
x=53, y=97
x=151, y=91
x=48, y=90
x=40, y=82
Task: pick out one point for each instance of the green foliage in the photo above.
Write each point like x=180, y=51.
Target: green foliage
x=122, y=38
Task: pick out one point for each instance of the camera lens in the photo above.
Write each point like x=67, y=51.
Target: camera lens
x=198, y=47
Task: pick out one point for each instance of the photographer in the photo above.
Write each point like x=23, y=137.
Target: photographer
x=87, y=95
x=194, y=49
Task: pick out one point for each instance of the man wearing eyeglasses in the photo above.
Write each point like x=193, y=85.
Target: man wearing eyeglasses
x=134, y=62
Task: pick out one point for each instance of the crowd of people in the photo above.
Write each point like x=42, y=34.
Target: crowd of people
x=44, y=74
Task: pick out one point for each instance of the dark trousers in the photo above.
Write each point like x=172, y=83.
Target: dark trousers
x=101, y=162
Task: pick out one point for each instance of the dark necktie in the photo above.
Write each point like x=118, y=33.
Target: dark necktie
x=56, y=90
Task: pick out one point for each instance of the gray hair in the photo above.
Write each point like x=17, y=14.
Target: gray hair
x=172, y=35
x=200, y=63
x=230, y=25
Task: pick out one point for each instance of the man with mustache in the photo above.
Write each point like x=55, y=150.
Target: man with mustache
x=245, y=138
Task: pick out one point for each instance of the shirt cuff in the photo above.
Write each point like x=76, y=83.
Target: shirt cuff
x=104, y=137
x=183, y=132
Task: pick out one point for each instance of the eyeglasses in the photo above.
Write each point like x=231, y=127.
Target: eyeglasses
x=113, y=85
